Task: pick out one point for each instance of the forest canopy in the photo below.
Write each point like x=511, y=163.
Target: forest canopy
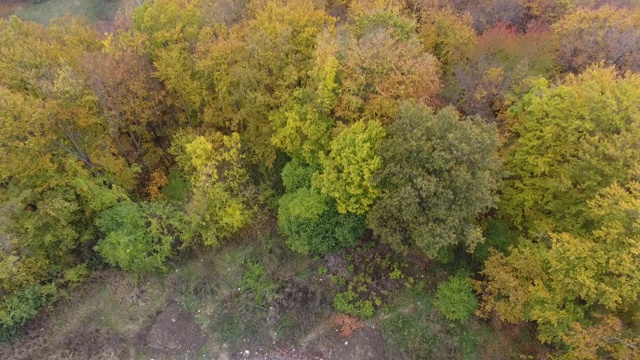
x=412, y=124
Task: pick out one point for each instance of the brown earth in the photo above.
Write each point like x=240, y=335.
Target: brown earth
x=365, y=343
x=174, y=334
x=8, y=7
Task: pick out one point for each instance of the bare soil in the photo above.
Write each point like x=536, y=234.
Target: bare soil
x=174, y=334
x=8, y=7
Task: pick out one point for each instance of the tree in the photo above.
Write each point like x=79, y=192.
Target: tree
x=217, y=207
x=256, y=66
x=381, y=68
x=607, y=35
x=309, y=219
x=447, y=35
x=577, y=280
x=40, y=64
x=167, y=23
x=491, y=74
x=168, y=31
x=440, y=172
x=347, y=172
x=302, y=125
x=570, y=141
x=518, y=13
x=133, y=104
x=608, y=337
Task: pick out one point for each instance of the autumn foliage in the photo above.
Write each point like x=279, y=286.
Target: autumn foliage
x=411, y=124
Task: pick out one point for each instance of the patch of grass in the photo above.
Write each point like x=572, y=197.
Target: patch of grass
x=8, y=8
x=470, y=336
x=126, y=302
x=404, y=327
x=228, y=292
x=43, y=13
x=287, y=327
x=413, y=328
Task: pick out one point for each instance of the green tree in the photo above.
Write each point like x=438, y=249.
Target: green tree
x=440, y=172
x=309, y=219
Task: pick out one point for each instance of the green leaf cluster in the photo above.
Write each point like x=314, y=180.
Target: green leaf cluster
x=139, y=237
x=440, y=172
x=455, y=298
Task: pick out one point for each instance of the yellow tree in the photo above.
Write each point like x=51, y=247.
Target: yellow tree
x=169, y=30
x=257, y=65
x=217, y=208
x=302, y=125
x=570, y=141
x=578, y=281
x=347, y=171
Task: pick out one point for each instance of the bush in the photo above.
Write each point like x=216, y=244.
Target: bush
x=497, y=236
x=455, y=298
x=139, y=236
x=312, y=224
x=259, y=284
x=21, y=306
x=347, y=302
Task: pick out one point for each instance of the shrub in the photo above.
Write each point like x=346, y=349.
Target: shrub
x=455, y=298
x=312, y=224
x=347, y=302
x=258, y=283
x=21, y=306
x=139, y=236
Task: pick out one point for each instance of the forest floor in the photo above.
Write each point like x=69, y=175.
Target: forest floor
x=254, y=299
x=42, y=13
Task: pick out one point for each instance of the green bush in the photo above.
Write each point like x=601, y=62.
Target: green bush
x=296, y=175
x=312, y=224
x=139, y=237
x=309, y=219
x=21, y=306
x=497, y=236
x=178, y=186
x=347, y=302
x=455, y=298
